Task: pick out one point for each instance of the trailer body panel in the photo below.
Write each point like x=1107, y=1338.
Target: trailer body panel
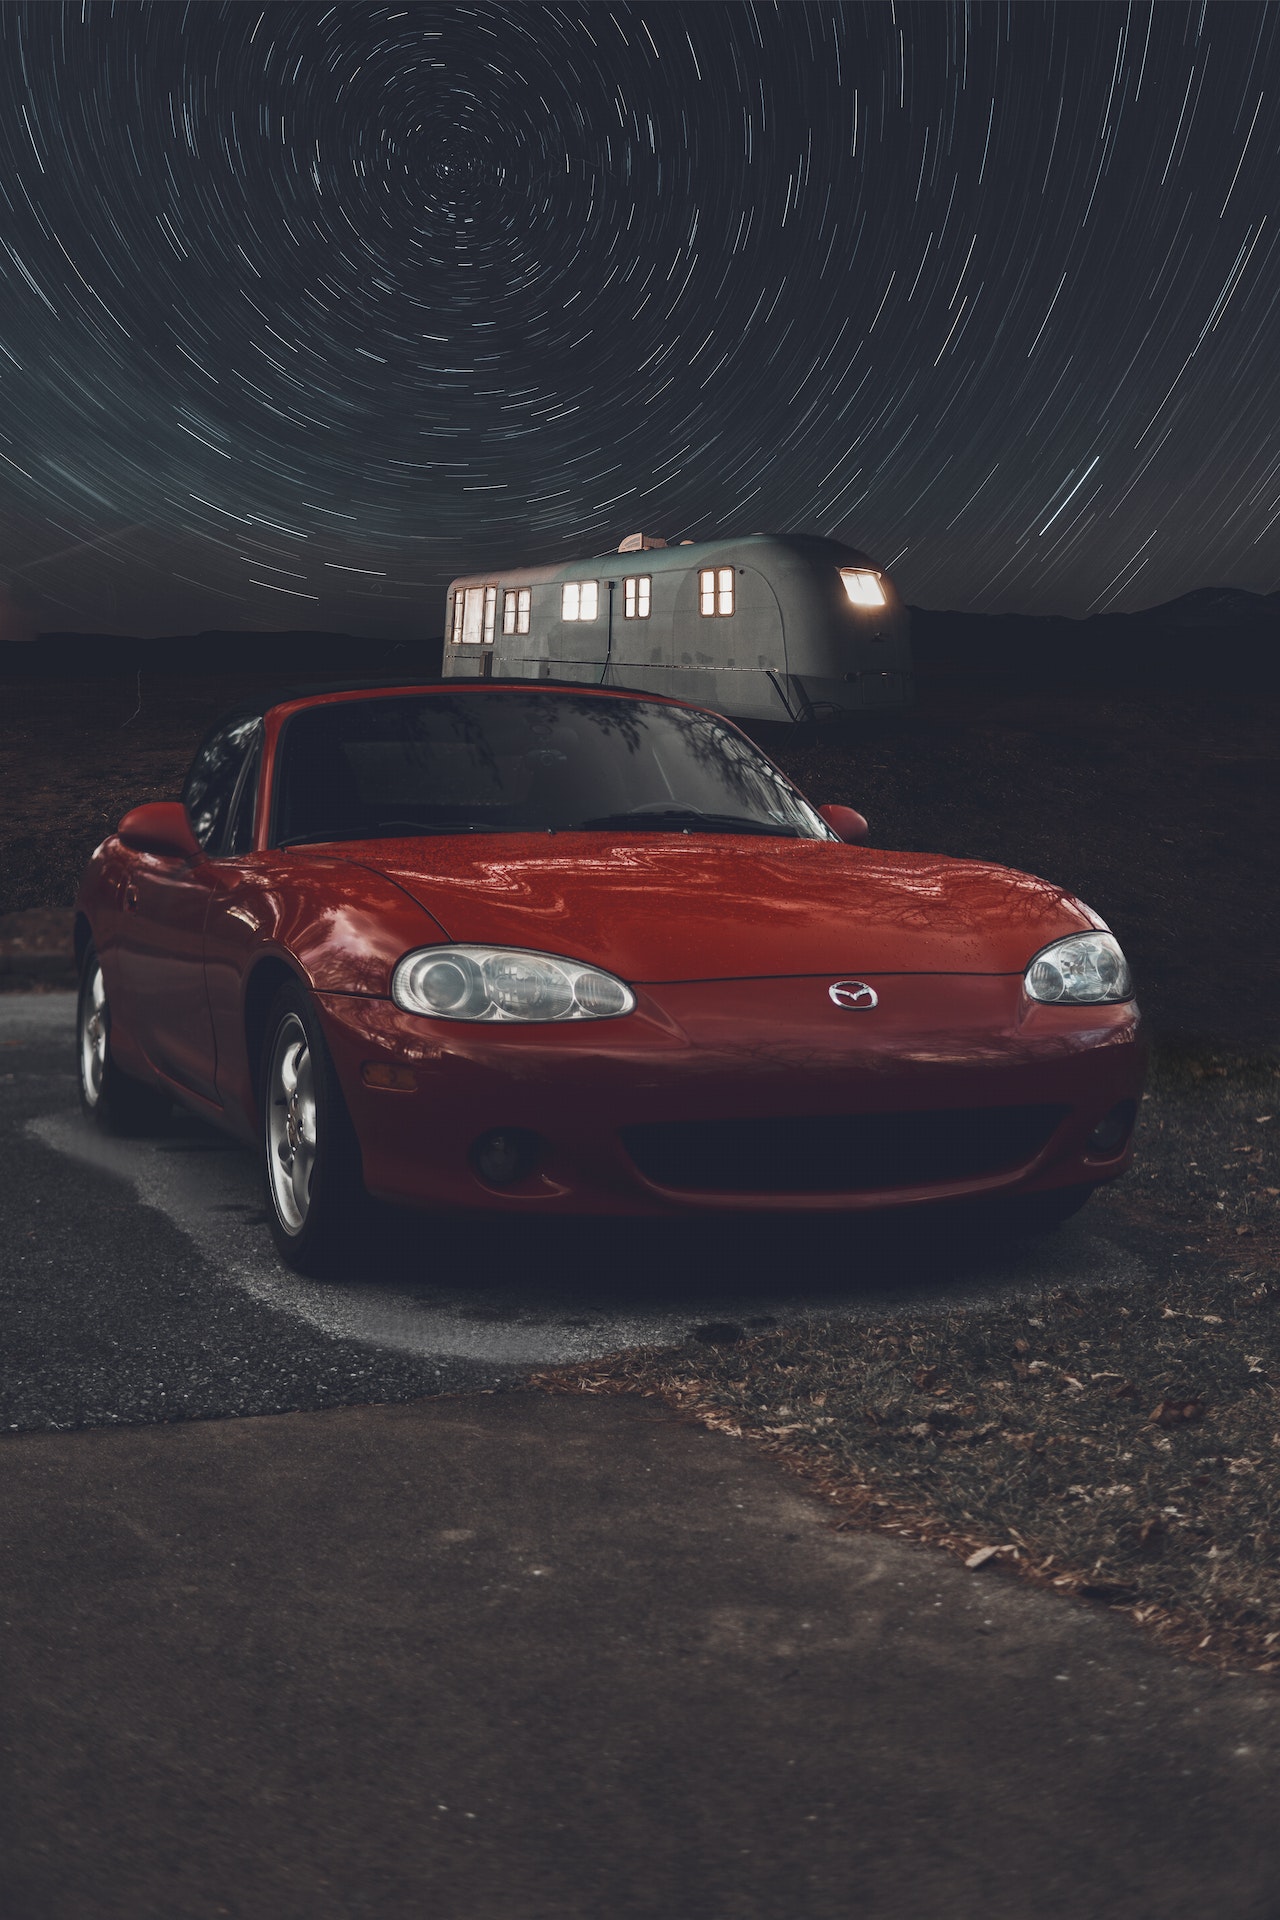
x=780, y=640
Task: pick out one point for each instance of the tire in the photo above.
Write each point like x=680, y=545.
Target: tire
x=109, y=1098
x=316, y=1203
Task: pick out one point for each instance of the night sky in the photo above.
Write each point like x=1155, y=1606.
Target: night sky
x=305, y=309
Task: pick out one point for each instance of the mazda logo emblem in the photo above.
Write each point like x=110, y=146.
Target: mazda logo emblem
x=853, y=993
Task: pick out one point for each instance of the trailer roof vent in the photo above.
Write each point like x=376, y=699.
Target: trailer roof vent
x=640, y=542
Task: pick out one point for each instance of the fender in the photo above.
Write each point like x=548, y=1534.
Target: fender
x=334, y=925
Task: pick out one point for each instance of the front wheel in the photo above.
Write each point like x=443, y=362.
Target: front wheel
x=108, y=1097
x=316, y=1201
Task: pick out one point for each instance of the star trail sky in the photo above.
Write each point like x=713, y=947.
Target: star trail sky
x=304, y=309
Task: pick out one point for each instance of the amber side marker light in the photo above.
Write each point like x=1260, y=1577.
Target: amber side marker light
x=381, y=1073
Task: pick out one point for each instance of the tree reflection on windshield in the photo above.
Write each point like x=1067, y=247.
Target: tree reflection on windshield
x=516, y=761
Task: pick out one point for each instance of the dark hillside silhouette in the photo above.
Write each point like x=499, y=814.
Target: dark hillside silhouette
x=1217, y=636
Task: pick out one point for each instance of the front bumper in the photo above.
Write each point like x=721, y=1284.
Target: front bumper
x=732, y=1052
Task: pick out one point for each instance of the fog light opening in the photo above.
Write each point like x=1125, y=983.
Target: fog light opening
x=505, y=1155
x=1111, y=1135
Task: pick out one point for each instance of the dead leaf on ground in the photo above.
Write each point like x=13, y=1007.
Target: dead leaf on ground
x=1176, y=1413
x=1151, y=1538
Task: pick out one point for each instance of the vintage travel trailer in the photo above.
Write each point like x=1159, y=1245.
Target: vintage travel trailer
x=768, y=627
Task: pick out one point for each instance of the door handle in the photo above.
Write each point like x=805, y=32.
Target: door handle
x=129, y=897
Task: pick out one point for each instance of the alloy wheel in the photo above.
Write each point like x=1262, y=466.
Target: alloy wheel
x=291, y=1124
x=93, y=1038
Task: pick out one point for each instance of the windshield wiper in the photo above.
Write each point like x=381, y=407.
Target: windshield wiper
x=313, y=839
x=408, y=828
x=663, y=819
x=385, y=829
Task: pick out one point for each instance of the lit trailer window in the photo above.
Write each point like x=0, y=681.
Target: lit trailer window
x=767, y=627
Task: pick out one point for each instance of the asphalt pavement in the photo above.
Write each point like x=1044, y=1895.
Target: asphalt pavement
x=509, y=1657
x=425, y=1643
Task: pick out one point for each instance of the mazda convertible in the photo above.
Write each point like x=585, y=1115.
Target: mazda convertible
x=544, y=949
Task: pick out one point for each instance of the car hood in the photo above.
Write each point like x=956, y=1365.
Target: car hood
x=698, y=907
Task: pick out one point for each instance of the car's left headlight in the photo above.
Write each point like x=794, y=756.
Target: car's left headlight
x=506, y=983
x=1082, y=970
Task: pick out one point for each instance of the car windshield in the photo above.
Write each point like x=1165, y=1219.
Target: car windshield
x=524, y=762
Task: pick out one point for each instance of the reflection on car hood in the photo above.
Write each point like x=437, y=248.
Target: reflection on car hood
x=700, y=907
x=672, y=907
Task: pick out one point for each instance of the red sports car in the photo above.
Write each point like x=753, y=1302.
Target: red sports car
x=548, y=948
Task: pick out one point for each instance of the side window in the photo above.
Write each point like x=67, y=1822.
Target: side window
x=715, y=590
x=244, y=807
x=474, y=614
x=516, y=605
x=211, y=783
x=580, y=600
x=635, y=596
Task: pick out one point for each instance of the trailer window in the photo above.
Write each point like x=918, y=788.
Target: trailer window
x=457, y=619
x=516, y=602
x=715, y=590
x=473, y=599
x=490, y=613
x=636, y=596
x=580, y=600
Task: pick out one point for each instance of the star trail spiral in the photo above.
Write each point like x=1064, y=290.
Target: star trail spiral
x=304, y=309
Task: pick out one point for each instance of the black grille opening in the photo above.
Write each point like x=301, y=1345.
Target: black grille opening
x=842, y=1153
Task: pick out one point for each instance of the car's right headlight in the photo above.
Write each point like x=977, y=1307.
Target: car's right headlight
x=506, y=983
x=1082, y=970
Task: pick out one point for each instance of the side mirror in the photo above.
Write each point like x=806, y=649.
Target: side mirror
x=849, y=824
x=160, y=827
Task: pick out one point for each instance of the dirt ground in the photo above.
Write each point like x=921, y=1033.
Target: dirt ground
x=1160, y=809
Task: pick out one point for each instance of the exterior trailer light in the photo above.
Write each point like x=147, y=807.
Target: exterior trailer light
x=863, y=588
